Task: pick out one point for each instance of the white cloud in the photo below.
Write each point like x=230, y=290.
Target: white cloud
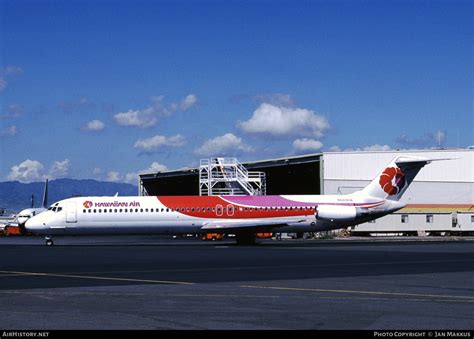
x=142, y=118
x=9, y=131
x=155, y=167
x=306, y=144
x=33, y=170
x=60, y=169
x=27, y=171
x=8, y=72
x=12, y=111
x=113, y=176
x=94, y=126
x=377, y=147
x=371, y=148
x=285, y=121
x=148, y=116
x=153, y=144
x=188, y=102
x=131, y=178
x=225, y=145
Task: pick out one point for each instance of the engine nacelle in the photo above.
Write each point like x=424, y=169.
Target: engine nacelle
x=336, y=213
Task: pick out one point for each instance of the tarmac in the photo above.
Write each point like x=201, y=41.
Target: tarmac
x=159, y=283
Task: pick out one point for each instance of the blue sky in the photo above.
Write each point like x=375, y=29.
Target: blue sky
x=107, y=89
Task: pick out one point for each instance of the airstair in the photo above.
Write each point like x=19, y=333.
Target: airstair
x=227, y=176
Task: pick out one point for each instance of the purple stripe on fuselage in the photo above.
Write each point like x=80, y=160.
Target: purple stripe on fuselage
x=262, y=200
x=277, y=200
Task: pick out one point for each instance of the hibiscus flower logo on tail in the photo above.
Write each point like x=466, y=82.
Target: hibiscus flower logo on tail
x=87, y=204
x=392, y=180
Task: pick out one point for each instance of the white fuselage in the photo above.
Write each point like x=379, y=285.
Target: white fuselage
x=227, y=214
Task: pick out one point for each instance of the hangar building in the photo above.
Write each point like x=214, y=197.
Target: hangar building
x=441, y=198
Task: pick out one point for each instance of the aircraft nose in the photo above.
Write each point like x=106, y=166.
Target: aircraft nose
x=35, y=224
x=22, y=220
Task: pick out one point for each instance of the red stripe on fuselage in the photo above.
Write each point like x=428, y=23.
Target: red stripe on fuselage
x=216, y=207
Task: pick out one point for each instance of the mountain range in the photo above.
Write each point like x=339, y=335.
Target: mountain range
x=15, y=196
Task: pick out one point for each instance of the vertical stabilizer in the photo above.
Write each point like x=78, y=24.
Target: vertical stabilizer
x=393, y=181
x=45, y=195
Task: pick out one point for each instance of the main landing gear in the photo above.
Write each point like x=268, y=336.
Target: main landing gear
x=49, y=240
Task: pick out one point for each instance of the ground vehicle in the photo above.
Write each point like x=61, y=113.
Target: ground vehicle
x=11, y=230
x=212, y=236
x=264, y=235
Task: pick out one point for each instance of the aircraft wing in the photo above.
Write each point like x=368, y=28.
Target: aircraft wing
x=217, y=225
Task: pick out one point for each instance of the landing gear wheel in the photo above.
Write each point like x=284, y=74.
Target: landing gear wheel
x=49, y=241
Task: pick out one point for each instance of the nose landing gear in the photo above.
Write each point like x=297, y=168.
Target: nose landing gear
x=49, y=240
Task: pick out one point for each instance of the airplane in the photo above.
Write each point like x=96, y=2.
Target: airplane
x=28, y=213
x=240, y=215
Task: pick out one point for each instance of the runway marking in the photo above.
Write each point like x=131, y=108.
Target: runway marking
x=99, y=278
x=398, y=294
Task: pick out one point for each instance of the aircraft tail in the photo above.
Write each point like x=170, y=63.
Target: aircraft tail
x=45, y=195
x=393, y=181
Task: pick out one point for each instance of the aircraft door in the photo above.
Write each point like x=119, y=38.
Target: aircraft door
x=71, y=212
x=230, y=210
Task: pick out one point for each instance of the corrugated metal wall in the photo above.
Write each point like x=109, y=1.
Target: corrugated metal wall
x=366, y=165
x=441, y=182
